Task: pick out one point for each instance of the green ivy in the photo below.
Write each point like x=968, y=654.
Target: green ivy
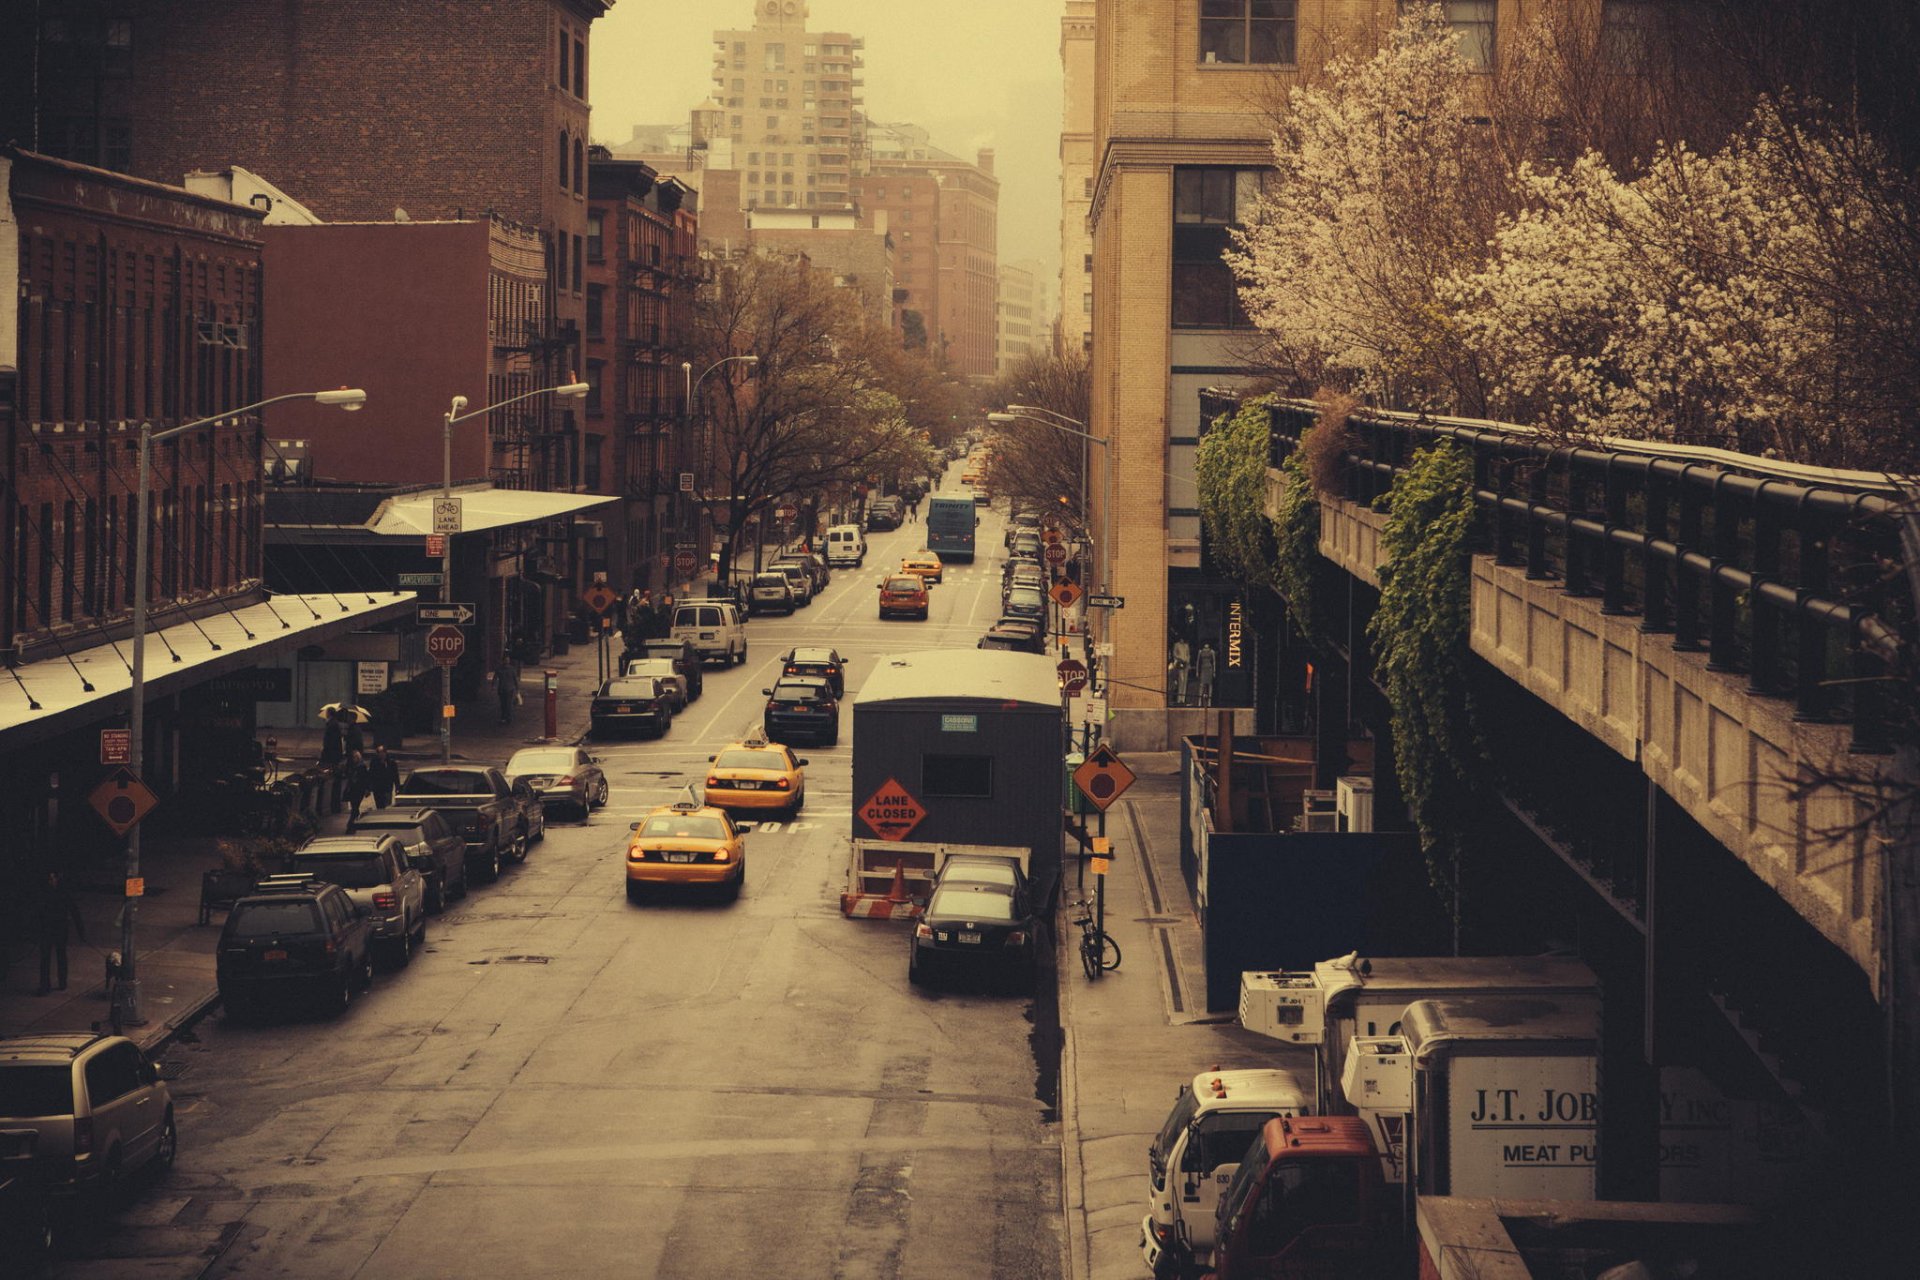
x=1232, y=474
x=1296, y=538
x=1422, y=657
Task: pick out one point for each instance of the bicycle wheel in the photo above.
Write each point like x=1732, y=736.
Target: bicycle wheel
x=1109, y=952
x=1089, y=955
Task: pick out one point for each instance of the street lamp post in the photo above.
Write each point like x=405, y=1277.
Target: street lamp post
x=1025, y=413
x=681, y=505
x=126, y=1007
x=572, y=391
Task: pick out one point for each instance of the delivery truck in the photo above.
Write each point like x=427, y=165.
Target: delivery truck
x=1193, y=1158
x=1479, y=1096
x=953, y=750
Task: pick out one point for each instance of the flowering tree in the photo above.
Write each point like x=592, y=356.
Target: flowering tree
x=1382, y=187
x=1757, y=298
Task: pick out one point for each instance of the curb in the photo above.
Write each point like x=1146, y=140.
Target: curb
x=154, y=1041
x=1078, y=1263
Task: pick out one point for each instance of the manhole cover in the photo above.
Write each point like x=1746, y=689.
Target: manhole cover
x=524, y=959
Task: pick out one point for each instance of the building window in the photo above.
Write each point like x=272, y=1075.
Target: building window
x=596, y=236
x=1086, y=302
x=578, y=261
x=565, y=152
x=1086, y=263
x=560, y=261
x=566, y=46
x=594, y=443
x=579, y=69
x=1206, y=202
x=596, y=374
x=1629, y=31
x=1086, y=188
x=776, y=57
x=1248, y=31
x=579, y=166
x=964, y=776
x=596, y=304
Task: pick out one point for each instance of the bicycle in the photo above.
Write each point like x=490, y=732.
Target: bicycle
x=1098, y=951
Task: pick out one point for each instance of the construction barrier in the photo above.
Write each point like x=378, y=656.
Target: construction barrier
x=891, y=879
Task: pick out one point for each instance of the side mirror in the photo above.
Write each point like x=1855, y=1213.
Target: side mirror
x=745, y=828
x=803, y=760
x=711, y=759
x=149, y=1072
x=767, y=692
x=633, y=826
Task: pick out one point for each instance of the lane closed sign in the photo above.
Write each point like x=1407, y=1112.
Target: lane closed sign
x=892, y=812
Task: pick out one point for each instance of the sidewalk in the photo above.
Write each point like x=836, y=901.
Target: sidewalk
x=1133, y=1037
x=175, y=952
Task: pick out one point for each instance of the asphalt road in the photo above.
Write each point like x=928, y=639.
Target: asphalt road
x=567, y=1084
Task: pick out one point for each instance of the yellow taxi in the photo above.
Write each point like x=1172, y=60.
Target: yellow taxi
x=686, y=843
x=757, y=775
x=924, y=563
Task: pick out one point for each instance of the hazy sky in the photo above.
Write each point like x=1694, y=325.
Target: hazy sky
x=976, y=73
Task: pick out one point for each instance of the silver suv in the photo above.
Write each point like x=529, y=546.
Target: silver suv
x=373, y=869
x=98, y=1109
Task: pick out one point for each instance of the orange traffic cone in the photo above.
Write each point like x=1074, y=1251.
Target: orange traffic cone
x=898, y=893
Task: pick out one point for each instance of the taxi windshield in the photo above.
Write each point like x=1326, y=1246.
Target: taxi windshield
x=750, y=760
x=684, y=826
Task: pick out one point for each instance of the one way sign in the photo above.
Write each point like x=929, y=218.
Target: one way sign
x=456, y=613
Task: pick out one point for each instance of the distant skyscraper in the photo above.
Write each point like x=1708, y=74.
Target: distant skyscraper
x=787, y=99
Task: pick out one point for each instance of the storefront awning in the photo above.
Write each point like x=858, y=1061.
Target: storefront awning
x=180, y=655
x=480, y=509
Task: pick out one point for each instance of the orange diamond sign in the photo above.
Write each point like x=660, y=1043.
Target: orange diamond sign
x=1103, y=778
x=892, y=811
x=122, y=800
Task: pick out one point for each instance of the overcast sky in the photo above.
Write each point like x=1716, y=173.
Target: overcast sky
x=976, y=73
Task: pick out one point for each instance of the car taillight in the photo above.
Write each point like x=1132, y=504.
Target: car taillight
x=1016, y=938
x=384, y=901
x=565, y=780
x=923, y=930
x=331, y=947
x=829, y=705
x=712, y=781
x=793, y=671
x=771, y=704
x=721, y=855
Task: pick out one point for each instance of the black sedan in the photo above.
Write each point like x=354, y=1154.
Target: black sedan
x=1017, y=635
x=631, y=702
x=817, y=661
x=802, y=707
x=980, y=921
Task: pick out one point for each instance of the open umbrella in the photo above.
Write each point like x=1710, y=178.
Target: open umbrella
x=360, y=714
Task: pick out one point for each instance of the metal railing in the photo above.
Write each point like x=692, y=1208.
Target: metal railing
x=1795, y=576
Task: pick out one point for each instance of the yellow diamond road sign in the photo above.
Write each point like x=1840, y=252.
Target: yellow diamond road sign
x=1104, y=778
x=122, y=800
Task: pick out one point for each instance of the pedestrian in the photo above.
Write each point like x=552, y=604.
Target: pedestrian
x=355, y=740
x=1203, y=673
x=913, y=512
x=506, y=686
x=333, y=750
x=356, y=773
x=57, y=911
x=383, y=776
x=662, y=617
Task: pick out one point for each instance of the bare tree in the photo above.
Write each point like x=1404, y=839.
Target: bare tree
x=1033, y=464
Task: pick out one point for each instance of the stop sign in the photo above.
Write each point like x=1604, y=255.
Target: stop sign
x=445, y=644
x=684, y=563
x=1073, y=675
x=1056, y=554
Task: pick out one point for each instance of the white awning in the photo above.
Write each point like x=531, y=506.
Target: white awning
x=480, y=509
x=50, y=696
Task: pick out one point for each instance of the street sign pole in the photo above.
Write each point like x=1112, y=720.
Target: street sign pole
x=446, y=583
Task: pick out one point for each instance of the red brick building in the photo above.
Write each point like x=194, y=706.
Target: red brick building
x=642, y=269
x=943, y=217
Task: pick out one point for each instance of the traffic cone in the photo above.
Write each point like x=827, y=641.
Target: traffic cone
x=898, y=893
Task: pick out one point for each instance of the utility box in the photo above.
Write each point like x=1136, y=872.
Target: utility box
x=961, y=747
x=1353, y=801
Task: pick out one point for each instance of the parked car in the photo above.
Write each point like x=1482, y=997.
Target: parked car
x=1022, y=522
x=631, y=702
x=26, y=1214
x=480, y=806
x=687, y=844
x=980, y=920
x=884, y=513
x=799, y=578
x=714, y=628
x=903, y=595
x=672, y=683
x=846, y=545
x=1015, y=635
x=432, y=848
x=771, y=593
x=817, y=570
x=757, y=774
x=687, y=660
x=1025, y=602
x=293, y=939
x=802, y=706
x=91, y=1110
x=373, y=869
x=566, y=776
x=817, y=660
x=533, y=816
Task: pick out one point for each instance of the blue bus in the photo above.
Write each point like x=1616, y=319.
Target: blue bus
x=950, y=526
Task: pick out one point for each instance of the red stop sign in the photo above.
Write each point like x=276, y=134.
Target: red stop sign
x=1073, y=675
x=445, y=644
x=1056, y=554
x=684, y=564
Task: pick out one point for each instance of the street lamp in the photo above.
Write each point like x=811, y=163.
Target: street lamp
x=572, y=391
x=126, y=1007
x=686, y=432
x=1025, y=413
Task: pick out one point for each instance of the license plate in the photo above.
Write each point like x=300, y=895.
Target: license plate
x=971, y=938
x=706, y=635
x=622, y=709
x=273, y=955
x=679, y=857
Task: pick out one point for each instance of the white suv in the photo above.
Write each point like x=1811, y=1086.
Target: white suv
x=714, y=627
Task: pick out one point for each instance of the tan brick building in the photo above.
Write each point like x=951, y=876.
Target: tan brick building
x=1074, y=328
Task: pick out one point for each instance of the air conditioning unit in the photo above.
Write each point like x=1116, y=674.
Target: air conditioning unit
x=1283, y=1005
x=1354, y=803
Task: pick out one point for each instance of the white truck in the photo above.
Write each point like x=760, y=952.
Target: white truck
x=1326, y=1007
x=1192, y=1159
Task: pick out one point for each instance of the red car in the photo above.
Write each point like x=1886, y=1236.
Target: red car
x=904, y=594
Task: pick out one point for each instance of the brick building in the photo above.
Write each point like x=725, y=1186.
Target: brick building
x=642, y=269
x=943, y=216
x=137, y=302
x=1075, y=322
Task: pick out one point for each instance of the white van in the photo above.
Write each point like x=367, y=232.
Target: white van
x=715, y=627
x=846, y=544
